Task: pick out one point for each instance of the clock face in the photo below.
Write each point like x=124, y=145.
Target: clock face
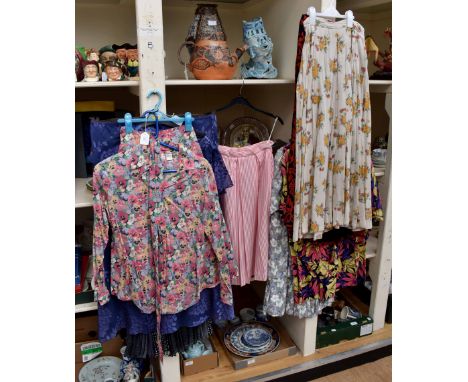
x=245, y=131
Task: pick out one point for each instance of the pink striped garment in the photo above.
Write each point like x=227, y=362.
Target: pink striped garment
x=246, y=207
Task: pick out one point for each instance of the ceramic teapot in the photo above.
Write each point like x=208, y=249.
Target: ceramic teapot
x=210, y=57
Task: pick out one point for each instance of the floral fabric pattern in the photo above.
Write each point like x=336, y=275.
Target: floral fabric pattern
x=333, y=126
x=321, y=268
x=279, y=274
x=169, y=236
x=287, y=197
x=106, y=136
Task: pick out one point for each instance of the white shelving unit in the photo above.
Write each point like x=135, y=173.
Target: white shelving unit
x=158, y=43
x=83, y=197
x=86, y=307
x=106, y=84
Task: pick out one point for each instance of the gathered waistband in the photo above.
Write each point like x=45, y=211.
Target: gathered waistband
x=245, y=151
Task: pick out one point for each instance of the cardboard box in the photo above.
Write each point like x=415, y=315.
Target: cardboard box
x=348, y=330
x=86, y=328
x=285, y=348
x=196, y=365
x=111, y=347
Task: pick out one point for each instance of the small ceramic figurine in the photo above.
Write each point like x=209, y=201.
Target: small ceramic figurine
x=132, y=61
x=91, y=71
x=260, y=48
x=106, y=54
x=78, y=66
x=121, y=52
x=92, y=55
x=114, y=71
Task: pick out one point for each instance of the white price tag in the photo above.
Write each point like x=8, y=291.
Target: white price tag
x=354, y=323
x=333, y=330
x=250, y=361
x=366, y=329
x=212, y=22
x=144, y=138
x=188, y=363
x=169, y=156
x=90, y=351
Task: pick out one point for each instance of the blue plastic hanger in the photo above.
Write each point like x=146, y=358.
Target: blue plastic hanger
x=155, y=114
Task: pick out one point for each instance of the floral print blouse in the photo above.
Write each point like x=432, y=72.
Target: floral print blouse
x=169, y=236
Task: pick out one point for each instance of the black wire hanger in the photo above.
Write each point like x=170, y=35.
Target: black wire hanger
x=240, y=100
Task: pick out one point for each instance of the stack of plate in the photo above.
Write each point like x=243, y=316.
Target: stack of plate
x=252, y=339
x=379, y=157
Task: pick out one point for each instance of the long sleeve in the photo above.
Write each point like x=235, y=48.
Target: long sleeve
x=100, y=238
x=218, y=235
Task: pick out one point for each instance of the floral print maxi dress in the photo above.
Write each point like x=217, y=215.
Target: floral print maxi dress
x=333, y=127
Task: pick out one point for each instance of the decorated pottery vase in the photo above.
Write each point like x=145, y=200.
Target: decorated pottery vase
x=260, y=49
x=210, y=57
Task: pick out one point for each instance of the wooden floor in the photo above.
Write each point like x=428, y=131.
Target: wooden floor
x=378, y=371
x=226, y=373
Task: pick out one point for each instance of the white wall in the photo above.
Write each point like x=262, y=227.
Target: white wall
x=97, y=25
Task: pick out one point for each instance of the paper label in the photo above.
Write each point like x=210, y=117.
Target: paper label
x=333, y=330
x=212, y=22
x=189, y=363
x=366, y=329
x=90, y=351
x=144, y=139
x=354, y=323
x=250, y=361
x=169, y=156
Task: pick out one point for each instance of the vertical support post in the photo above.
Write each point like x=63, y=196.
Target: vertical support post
x=380, y=268
x=303, y=332
x=149, y=21
x=170, y=369
x=327, y=4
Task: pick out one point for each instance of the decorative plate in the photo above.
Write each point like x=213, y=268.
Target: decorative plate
x=101, y=369
x=241, y=339
x=256, y=337
x=244, y=131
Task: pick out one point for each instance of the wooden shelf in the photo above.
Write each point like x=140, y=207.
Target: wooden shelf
x=106, y=84
x=86, y=307
x=83, y=197
x=293, y=364
x=236, y=81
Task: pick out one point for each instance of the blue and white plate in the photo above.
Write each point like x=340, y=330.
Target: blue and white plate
x=256, y=337
x=235, y=339
x=101, y=369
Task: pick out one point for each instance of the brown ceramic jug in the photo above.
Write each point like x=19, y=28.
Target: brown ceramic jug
x=210, y=57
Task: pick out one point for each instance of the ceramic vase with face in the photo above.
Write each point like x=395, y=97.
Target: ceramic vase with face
x=260, y=48
x=91, y=71
x=210, y=57
x=132, y=61
x=114, y=71
x=121, y=52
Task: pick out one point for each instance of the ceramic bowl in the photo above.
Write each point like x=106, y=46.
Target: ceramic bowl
x=247, y=314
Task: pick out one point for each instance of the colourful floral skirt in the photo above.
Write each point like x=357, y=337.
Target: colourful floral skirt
x=320, y=268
